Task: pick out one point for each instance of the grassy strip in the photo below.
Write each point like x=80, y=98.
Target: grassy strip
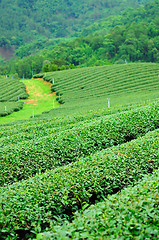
x=21, y=161
x=40, y=100
x=39, y=201
x=131, y=214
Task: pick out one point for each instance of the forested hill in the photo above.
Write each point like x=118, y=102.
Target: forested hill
x=22, y=21
x=133, y=36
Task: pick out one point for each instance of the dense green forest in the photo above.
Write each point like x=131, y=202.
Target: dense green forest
x=23, y=21
x=129, y=37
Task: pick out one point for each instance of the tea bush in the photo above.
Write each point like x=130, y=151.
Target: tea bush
x=28, y=158
x=102, y=82
x=11, y=90
x=130, y=214
x=47, y=198
x=7, y=108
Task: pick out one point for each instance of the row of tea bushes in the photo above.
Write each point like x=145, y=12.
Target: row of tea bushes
x=7, y=108
x=23, y=160
x=29, y=129
x=11, y=90
x=130, y=214
x=106, y=81
x=47, y=198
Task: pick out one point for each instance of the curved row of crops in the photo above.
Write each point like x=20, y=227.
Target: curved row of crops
x=52, y=167
x=131, y=214
x=27, y=130
x=11, y=91
x=7, y=108
x=90, y=88
x=52, y=196
x=27, y=158
x=106, y=80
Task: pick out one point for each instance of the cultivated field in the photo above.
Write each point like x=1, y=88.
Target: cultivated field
x=89, y=88
x=85, y=170
x=11, y=91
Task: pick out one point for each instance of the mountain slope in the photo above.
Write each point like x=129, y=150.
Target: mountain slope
x=25, y=20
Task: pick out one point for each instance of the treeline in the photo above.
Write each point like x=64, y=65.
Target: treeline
x=136, y=40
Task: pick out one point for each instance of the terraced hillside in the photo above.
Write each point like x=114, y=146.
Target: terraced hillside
x=52, y=169
x=10, y=92
x=89, y=88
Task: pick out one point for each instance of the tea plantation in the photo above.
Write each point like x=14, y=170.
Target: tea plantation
x=85, y=170
x=11, y=91
x=89, y=88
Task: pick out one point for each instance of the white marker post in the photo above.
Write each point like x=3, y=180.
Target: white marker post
x=6, y=76
x=108, y=102
x=53, y=81
x=53, y=103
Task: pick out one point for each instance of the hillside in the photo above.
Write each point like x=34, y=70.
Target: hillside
x=22, y=21
x=131, y=35
x=39, y=99
x=88, y=166
x=54, y=166
x=84, y=90
x=11, y=91
x=89, y=88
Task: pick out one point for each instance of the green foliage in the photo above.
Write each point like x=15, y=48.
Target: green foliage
x=11, y=90
x=43, y=200
x=25, y=21
x=40, y=75
x=86, y=86
x=132, y=214
x=38, y=150
x=62, y=147
x=132, y=36
x=37, y=128
x=7, y=108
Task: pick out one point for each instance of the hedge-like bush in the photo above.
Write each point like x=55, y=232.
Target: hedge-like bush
x=40, y=75
x=39, y=201
x=131, y=214
x=11, y=90
x=10, y=108
x=24, y=160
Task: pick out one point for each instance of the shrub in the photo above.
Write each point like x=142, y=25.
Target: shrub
x=57, y=194
x=130, y=214
x=68, y=145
